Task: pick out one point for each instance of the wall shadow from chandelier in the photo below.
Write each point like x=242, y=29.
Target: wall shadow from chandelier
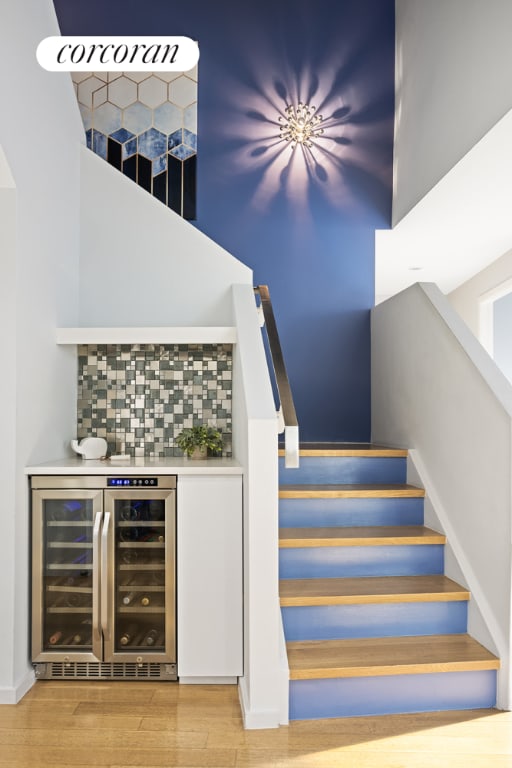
x=339, y=162
x=306, y=228
x=349, y=165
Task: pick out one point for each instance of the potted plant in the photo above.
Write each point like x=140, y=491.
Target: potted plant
x=197, y=441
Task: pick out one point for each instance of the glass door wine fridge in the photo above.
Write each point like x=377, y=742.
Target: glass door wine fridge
x=103, y=577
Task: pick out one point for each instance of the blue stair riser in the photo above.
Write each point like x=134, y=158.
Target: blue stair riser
x=340, y=622
x=312, y=513
x=344, y=469
x=324, y=562
x=357, y=696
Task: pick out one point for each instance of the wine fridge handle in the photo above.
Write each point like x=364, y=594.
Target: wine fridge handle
x=96, y=596
x=105, y=579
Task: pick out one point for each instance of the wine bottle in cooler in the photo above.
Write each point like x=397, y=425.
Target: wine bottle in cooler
x=129, y=534
x=55, y=638
x=157, y=577
x=74, y=639
x=129, y=512
x=75, y=599
x=151, y=636
x=128, y=635
x=129, y=598
x=130, y=556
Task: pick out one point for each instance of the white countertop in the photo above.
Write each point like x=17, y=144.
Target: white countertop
x=139, y=466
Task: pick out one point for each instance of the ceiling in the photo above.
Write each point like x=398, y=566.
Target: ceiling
x=460, y=227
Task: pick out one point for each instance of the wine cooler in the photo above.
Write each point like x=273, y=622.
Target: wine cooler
x=104, y=577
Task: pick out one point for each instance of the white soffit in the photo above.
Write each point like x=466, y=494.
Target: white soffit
x=460, y=227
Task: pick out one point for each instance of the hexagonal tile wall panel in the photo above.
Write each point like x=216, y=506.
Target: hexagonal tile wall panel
x=145, y=125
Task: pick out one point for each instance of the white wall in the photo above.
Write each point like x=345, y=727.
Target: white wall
x=453, y=83
x=436, y=391
x=142, y=264
x=255, y=446
x=467, y=297
x=40, y=131
x=461, y=225
x=7, y=395
x=503, y=334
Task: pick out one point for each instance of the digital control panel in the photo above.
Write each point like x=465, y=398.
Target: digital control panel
x=132, y=482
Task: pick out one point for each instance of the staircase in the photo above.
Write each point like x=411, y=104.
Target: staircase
x=372, y=625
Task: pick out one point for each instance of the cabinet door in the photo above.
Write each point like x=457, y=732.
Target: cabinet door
x=138, y=576
x=210, y=586
x=65, y=607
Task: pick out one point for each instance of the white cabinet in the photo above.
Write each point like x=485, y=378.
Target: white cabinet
x=209, y=578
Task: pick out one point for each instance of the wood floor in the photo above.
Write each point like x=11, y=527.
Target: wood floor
x=70, y=725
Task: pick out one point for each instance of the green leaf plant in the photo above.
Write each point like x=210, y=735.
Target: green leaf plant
x=200, y=436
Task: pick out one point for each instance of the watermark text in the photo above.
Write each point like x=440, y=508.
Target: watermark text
x=108, y=54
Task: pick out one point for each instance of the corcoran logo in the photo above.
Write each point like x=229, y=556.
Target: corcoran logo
x=108, y=54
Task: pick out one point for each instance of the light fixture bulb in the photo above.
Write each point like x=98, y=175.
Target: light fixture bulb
x=301, y=125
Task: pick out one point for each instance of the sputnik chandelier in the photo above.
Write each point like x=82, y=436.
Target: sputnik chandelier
x=300, y=125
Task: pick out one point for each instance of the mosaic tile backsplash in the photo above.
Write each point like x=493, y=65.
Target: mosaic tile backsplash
x=140, y=397
x=145, y=124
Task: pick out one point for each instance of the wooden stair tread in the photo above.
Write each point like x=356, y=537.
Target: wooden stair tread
x=370, y=657
x=350, y=491
x=359, y=536
x=348, y=450
x=364, y=590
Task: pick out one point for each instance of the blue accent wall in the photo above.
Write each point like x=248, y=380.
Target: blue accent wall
x=305, y=228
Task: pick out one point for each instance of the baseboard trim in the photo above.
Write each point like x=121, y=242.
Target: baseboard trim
x=492, y=636
x=207, y=680
x=16, y=693
x=255, y=719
